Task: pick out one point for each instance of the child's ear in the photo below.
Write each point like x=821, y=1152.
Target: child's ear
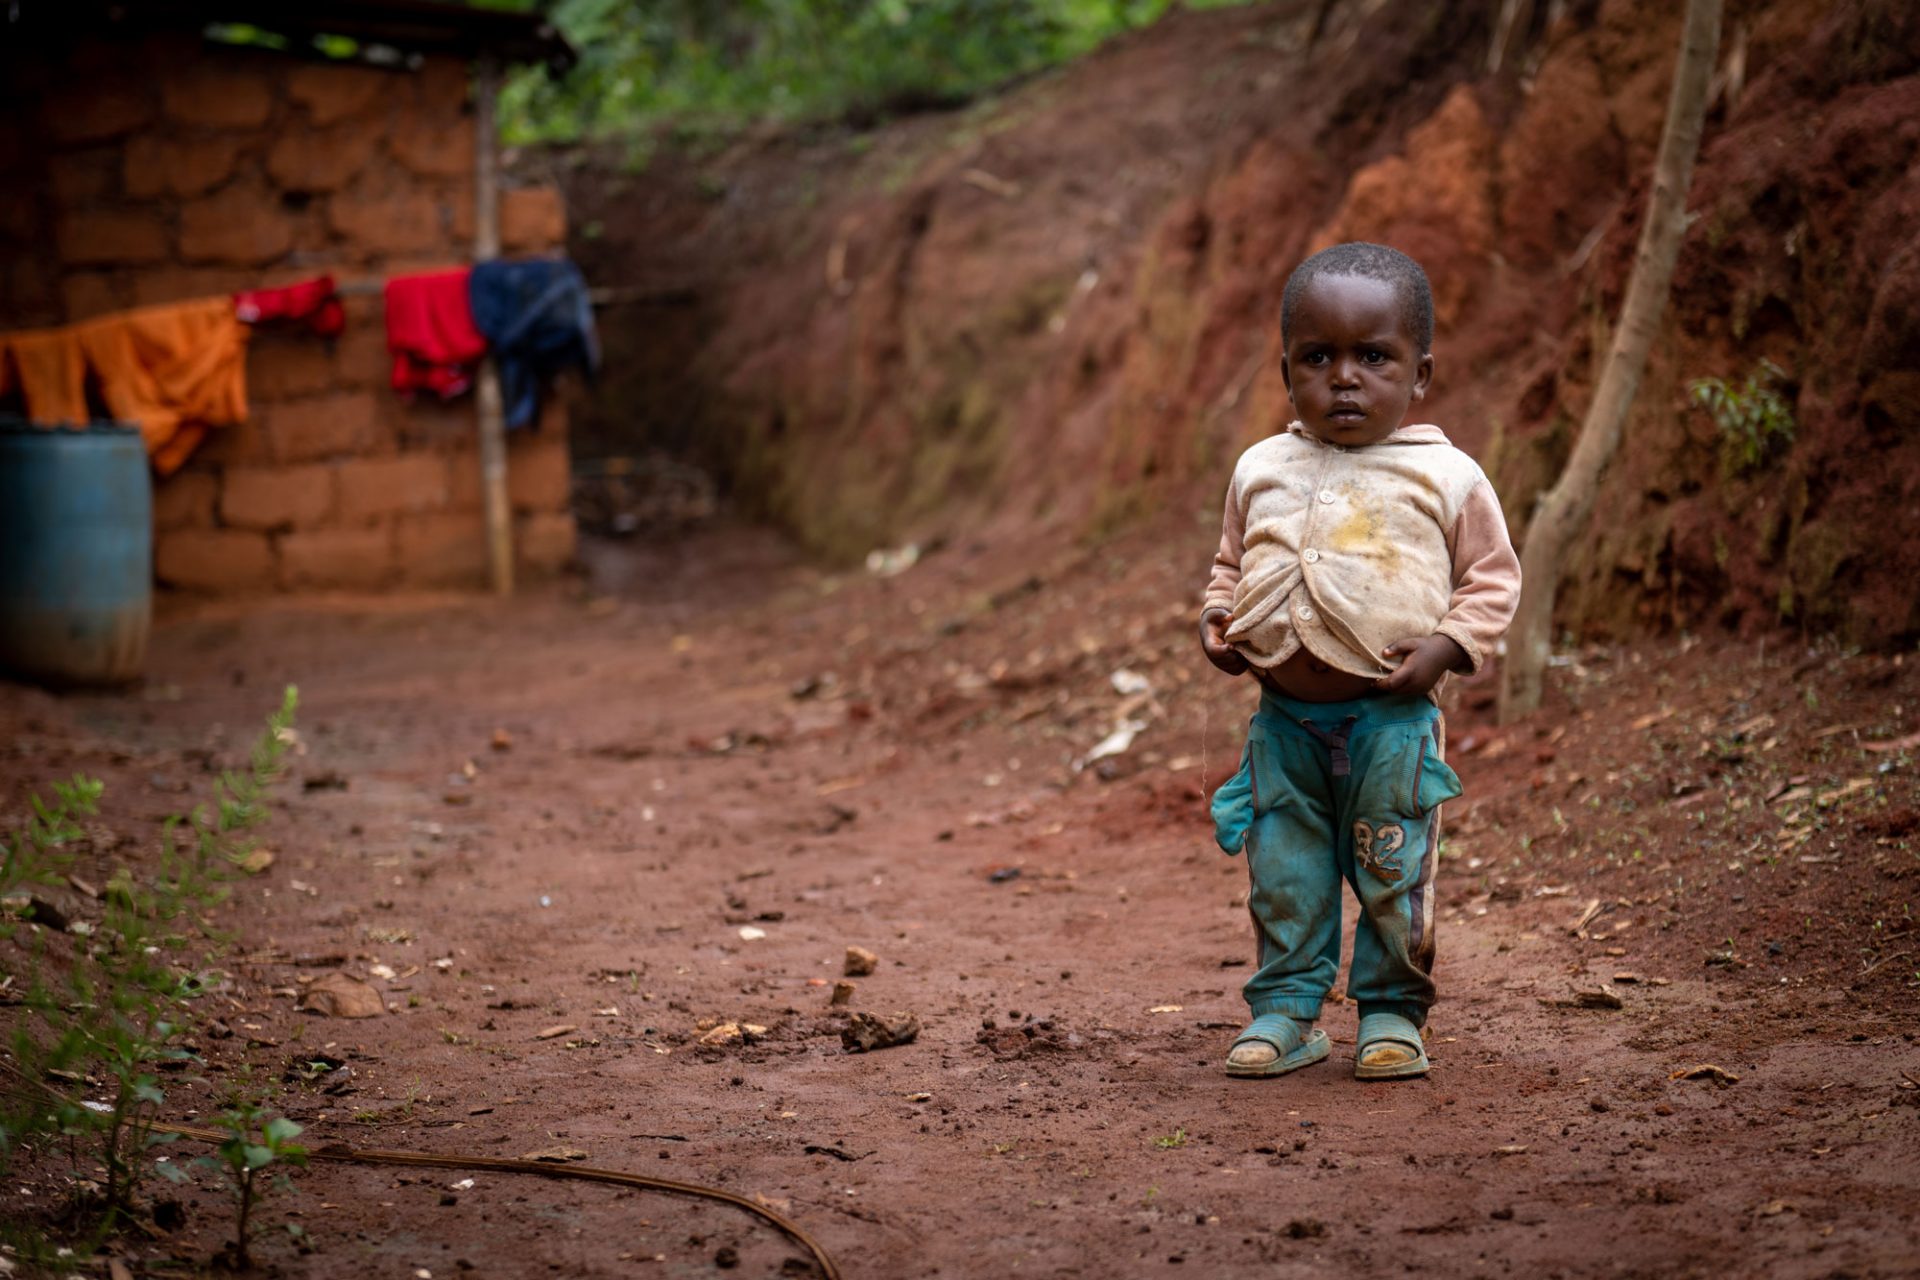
x=1422, y=377
x=1286, y=374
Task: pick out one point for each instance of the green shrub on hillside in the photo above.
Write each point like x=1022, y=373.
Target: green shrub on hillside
x=721, y=63
x=1751, y=415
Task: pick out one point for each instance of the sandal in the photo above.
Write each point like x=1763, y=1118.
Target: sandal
x=1297, y=1046
x=1388, y=1039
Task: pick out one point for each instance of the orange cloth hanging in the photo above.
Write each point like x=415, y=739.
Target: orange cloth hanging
x=50, y=373
x=174, y=370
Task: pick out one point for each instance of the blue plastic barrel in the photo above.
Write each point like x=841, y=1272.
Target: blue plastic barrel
x=76, y=553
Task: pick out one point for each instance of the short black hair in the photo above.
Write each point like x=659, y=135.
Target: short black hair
x=1375, y=262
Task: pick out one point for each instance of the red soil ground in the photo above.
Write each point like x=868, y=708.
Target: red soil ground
x=1719, y=815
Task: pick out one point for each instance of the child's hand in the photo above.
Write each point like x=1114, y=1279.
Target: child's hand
x=1213, y=639
x=1423, y=662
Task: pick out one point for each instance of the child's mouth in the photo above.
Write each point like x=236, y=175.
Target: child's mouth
x=1347, y=413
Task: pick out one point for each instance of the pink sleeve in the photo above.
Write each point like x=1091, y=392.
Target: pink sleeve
x=1486, y=577
x=1226, y=561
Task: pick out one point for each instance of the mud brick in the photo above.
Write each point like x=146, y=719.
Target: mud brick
x=243, y=442
x=442, y=550
x=79, y=177
x=427, y=423
x=532, y=220
x=440, y=87
x=275, y=498
x=465, y=492
x=176, y=284
x=184, y=500
x=281, y=366
x=545, y=543
x=434, y=148
x=30, y=293
x=214, y=559
x=222, y=96
x=318, y=427
x=358, y=558
x=387, y=222
x=19, y=219
x=175, y=166
x=90, y=294
x=409, y=484
x=242, y=225
x=303, y=159
x=539, y=476
x=109, y=236
x=360, y=355
x=457, y=196
x=331, y=93
x=94, y=113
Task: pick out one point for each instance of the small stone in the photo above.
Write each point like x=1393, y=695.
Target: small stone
x=860, y=962
x=842, y=993
x=869, y=1031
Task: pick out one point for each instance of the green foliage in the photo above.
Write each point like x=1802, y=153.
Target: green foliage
x=1752, y=416
x=710, y=64
x=104, y=1009
x=254, y=1158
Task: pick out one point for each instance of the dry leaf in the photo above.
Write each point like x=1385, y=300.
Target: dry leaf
x=554, y=1033
x=341, y=995
x=555, y=1155
x=1706, y=1071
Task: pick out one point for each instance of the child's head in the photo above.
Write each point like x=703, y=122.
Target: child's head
x=1356, y=322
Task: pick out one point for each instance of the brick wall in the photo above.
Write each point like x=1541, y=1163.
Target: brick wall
x=163, y=169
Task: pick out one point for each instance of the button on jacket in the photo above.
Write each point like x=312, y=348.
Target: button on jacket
x=1343, y=551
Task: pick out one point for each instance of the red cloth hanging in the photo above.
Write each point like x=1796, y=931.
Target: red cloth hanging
x=314, y=301
x=431, y=334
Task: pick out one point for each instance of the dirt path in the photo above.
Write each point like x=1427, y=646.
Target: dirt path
x=665, y=794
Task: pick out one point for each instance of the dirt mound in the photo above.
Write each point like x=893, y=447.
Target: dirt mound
x=1056, y=311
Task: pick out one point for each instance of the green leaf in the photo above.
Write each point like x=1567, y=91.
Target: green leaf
x=280, y=1129
x=171, y=1171
x=258, y=1157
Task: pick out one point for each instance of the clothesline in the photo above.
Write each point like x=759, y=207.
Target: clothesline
x=601, y=296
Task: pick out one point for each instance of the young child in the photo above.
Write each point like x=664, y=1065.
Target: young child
x=1360, y=562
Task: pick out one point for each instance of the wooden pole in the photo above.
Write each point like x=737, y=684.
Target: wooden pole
x=487, y=399
x=1564, y=510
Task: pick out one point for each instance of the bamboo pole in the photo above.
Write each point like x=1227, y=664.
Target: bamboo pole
x=487, y=399
x=1564, y=510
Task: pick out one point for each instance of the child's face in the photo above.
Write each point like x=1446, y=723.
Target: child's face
x=1351, y=365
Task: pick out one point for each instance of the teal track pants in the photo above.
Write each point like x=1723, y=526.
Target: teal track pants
x=1328, y=791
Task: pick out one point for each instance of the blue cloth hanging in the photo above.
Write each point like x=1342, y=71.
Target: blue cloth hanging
x=537, y=320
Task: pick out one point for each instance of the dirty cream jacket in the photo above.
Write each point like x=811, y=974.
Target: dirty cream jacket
x=1343, y=551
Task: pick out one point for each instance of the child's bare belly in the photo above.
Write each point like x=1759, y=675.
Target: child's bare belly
x=1305, y=677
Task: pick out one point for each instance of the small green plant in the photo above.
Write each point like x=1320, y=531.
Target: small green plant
x=102, y=1012
x=1178, y=1138
x=253, y=1160
x=1752, y=417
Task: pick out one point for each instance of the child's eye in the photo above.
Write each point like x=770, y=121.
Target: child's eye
x=1374, y=357
x=1315, y=357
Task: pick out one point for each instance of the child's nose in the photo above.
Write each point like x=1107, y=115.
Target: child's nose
x=1346, y=373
